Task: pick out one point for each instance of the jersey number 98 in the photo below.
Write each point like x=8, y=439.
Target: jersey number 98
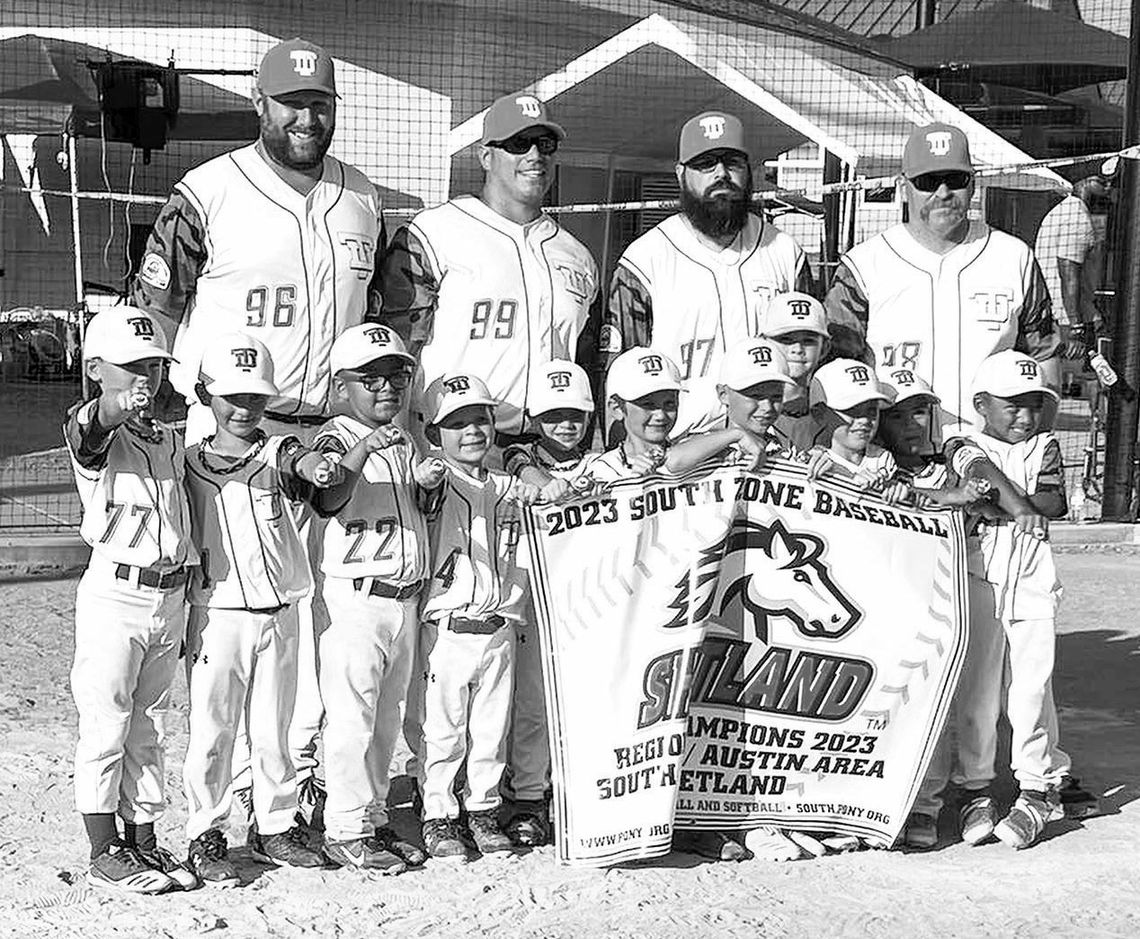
x=489, y=322
x=282, y=310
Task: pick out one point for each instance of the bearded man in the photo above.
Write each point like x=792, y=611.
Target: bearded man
x=702, y=280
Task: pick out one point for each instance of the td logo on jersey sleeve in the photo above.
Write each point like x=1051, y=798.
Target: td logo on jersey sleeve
x=992, y=306
x=361, y=251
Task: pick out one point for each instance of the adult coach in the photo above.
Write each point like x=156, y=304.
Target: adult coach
x=490, y=285
x=279, y=240
x=701, y=280
x=939, y=293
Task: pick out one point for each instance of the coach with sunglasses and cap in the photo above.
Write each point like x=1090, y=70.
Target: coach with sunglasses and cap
x=490, y=285
x=701, y=281
x=939, y=293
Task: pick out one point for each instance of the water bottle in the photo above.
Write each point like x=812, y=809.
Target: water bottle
x=1105, y=373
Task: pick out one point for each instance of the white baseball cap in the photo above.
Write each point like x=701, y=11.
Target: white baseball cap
x=124, y=334
x=359, y=345
x=448, y=393
x=752, y=362
x=639, y=371
x=559, y=384
x=237, y=364
x=844, y=383
x=899, y=384
x=792, y=313
x=1011, y=373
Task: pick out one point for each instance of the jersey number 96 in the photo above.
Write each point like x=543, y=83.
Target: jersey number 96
x=278, y=303
x=489, y=322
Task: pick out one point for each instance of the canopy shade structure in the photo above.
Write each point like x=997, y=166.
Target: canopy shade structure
x=1013, y=43
x=46, y=83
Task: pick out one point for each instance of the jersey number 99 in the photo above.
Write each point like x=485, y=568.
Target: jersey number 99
x=282, y=310
x=487, y=322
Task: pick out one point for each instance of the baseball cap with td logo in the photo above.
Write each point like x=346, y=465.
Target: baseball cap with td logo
x=237, y=364
x=710, y=130
x=512, y=114
x=296, y=65
x=1011, y=373
x=750, y=363
x=936, y=148
x=844, y=383
x=794, y=312
x=639, y=371
x=559, y=384
x=448, y=393
x=360, y=345
x=122, y=335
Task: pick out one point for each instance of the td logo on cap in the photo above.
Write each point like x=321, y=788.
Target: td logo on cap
x=860, y=374
x=651, y=364
x=245, y=358
x=143, y=326
x=713, y=126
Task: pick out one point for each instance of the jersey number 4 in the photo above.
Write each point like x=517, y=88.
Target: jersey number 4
x=500, y=325
x=115, y=513
x=385, y=529
x=282, y=310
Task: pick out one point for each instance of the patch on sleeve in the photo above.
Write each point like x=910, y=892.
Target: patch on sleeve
x=610, y=339
x=155, y=271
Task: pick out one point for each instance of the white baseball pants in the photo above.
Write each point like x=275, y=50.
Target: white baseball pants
x=462, y=710
x=126, y=653
x=528, y=765
x=242, y=670
x=366, y=655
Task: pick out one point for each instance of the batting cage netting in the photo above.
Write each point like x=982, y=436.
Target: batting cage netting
x=105, y=104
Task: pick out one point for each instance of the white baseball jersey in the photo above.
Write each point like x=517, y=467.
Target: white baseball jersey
x=877, y=463
x=676, y=295
x=941, y=315
x=381, y=531
x=252, y=555
x=488, y=297
x=475, y=540
x=135, y=509
x=238, y=248
x=1020, y=565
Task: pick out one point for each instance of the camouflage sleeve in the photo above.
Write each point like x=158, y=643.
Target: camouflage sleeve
x=847, y=311
x=1036, y=333
x=87, y=439
x=805, y=283
x=376, y=286
x=410, y=290
x=1051, y=477
x=176, y=252
x=628, y=317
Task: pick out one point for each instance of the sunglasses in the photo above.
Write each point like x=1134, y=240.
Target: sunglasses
x=732, y=160
x=517, y=145
x=930, y=182
x=398, y=380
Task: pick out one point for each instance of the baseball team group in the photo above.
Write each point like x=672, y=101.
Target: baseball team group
x=332, y=546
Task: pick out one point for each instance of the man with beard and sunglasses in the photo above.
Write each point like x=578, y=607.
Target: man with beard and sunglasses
x=939, y=293
x=701, y=281
x=280, y=241
x=492, y=286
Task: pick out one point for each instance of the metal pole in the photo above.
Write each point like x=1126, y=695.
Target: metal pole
x=80, y=302
x=1124, y=411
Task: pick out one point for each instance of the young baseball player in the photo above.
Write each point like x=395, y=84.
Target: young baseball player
x=242, y=645
x=559, y=405
x=130, y=614
x=798, y=324
x=845, y=403
x=375, y=561
x=462, y=702
x=1014, y=593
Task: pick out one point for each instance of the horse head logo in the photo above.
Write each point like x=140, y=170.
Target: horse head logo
x=771, y=572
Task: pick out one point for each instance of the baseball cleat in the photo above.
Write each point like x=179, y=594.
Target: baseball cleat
x=489, y=838
x=768, y=843
x=362, y=853
x=209, y=860
x=179, y=872
x=122, y=867
x=387, y=838
x=290, y=848
x=978, y=817
x=527, y=826
x=921, y=831
x=1025, y=821
x=443, y=840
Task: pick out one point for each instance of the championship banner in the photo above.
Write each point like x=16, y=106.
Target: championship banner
x=726, y=650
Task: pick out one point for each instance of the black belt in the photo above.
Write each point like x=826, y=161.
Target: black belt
x=301, y=420
x=481, y=627
x=149, y=577
x=388, y=591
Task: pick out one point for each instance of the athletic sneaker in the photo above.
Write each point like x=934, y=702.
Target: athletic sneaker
x=161, y=859
x=122, y=867
x=209, y=859
x=768, y=843
x=488, y=836
x=921, y=831
x=290, y=848
x=386, y=838
x=443, y=840
x=716, y=845
x=527, y=826
x=1026, y=819
x=978, y=817
x=362, y=853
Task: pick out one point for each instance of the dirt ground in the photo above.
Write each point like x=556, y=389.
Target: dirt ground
x=1082, y=880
